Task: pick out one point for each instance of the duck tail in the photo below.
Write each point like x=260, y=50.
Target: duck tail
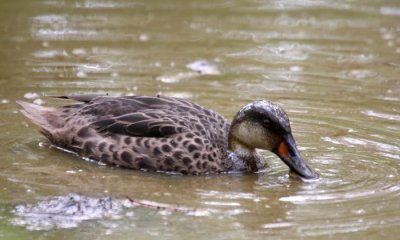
x=39, y=115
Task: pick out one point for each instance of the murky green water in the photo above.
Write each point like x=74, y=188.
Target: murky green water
x=334, y=65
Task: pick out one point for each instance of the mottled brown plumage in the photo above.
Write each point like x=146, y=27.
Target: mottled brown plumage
x=163, y=133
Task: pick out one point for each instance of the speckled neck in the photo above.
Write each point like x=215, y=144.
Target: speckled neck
x=246, y=159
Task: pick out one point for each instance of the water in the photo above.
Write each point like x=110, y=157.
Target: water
x=333, y=65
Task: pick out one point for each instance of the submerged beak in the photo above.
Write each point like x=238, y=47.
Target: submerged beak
x=288, y=152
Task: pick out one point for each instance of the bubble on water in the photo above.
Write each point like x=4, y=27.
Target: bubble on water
x=388, y=36
x=391, y=11
x=195, y=25
x=31, y=95
x=277, y=225
x=359, y=211
x=169, y=79
x=144, y=37
x=174, y=78
x=81, y=74
x=296, y=69
x=49, y=53
x=38, y=101
x=114, y=74
x=361, y=73
x=79, y=51
x=203, y=67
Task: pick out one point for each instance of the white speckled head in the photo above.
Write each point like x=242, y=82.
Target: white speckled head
x=260, y=124
x=265, y=110
x=265, y=125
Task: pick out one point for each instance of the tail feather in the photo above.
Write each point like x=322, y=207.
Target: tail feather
x=39, y=115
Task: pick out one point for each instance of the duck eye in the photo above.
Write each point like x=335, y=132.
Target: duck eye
x=266, y=123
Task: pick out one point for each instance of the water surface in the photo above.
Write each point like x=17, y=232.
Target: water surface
x=333, y=65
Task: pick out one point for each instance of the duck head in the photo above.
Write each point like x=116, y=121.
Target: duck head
x=265, y=125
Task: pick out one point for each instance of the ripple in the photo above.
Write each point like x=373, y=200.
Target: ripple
x=356, y=186
x=373, y=113
x=290, y=51
x=391, y=11
x=333, y=65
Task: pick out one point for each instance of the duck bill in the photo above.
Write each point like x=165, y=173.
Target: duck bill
x=287, y=151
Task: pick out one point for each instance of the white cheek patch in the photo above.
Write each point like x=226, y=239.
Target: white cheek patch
x=255, y=136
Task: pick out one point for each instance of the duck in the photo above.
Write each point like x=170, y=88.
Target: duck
x=168, y=134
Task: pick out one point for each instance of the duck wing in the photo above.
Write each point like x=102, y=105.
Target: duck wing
x=99, y=106
x=136, y=116
x=138, y=125
x=157, y=117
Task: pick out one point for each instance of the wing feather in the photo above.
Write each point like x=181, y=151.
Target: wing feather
x=137, y=125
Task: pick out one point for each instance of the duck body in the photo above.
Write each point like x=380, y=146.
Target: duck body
x=141, y=132
x=155, y=133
